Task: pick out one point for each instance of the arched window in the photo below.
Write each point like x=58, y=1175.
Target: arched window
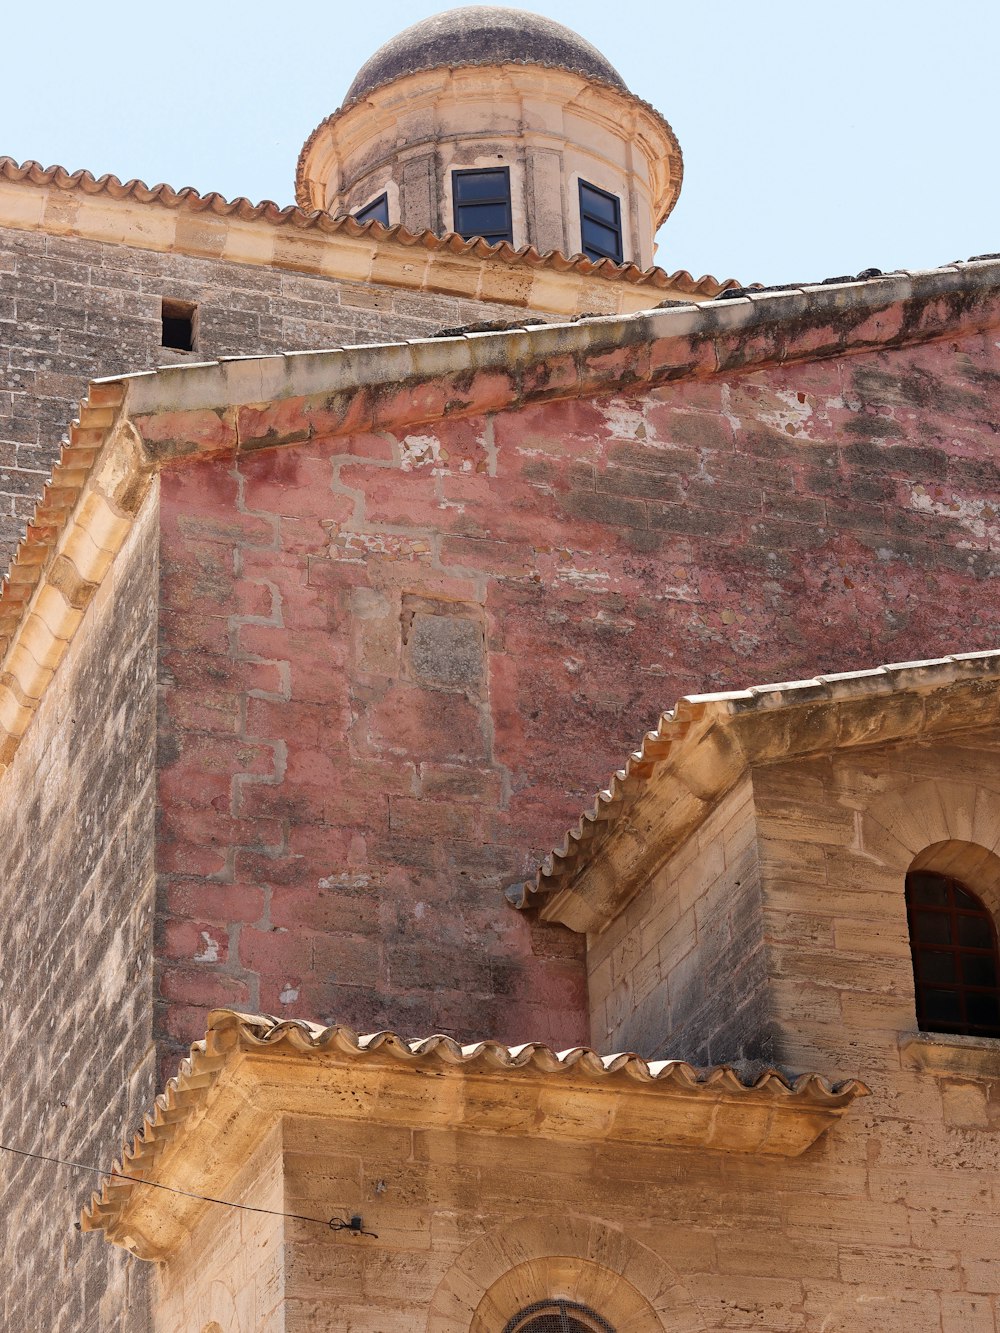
x=956, y=967
x=557, y=1316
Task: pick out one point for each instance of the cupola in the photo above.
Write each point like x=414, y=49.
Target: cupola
x=494, y=122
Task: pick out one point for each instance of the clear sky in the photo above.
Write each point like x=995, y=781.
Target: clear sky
x=819, y=138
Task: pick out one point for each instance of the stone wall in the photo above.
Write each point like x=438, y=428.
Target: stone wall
x=230, y=1275
x=682, y=972
x=72, y=310
x=398, y=666
x=886, y=1225
x=76, y=936
x=837, y=836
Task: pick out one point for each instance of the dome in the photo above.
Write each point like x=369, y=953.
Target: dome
x=482, y=35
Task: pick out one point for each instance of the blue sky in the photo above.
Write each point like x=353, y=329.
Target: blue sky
x=819, y=138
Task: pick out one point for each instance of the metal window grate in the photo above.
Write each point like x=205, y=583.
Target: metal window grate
x=956, y=966
x=557, y=1316
x=482, y=204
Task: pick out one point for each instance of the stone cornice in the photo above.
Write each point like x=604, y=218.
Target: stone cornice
x=251, y=1070
x=342, y=132
x=131, y=426
x=107, y=210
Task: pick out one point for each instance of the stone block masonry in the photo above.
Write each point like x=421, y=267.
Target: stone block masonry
x=394, y=666
x=76, y=939
x=73, y=309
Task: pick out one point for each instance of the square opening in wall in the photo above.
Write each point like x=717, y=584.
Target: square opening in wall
x=177, y=318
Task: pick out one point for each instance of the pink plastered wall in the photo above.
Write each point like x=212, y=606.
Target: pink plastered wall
x=395, y=667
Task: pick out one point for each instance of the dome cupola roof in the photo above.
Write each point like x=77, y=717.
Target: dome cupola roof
x=482, y=35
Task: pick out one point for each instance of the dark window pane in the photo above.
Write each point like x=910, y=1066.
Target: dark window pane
x=964, y=900
x=941, y=1006
x=376, y=211
x=596, y=204
x=484, y=219
x=600, y=224
x=482, y=204
x=475, y=186
x=602, y=238
x=978, y=969
x=983, y=1010
x=975, y=932
x=936, y=966
x=932, y=927
x=931, y=890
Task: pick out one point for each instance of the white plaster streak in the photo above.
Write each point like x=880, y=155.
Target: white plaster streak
x=980, y=518
x=585, y=578
x=417, y=451
x=625, y=419
x=210, y=953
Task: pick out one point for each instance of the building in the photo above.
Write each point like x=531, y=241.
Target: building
x=310, y=655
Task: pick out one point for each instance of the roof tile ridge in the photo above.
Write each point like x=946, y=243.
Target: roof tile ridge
x=247, y=210
x=237, y=1030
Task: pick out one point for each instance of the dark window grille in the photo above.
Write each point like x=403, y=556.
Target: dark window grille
x=600, y=223
x=376, y=211
x=956, y=965
x=177, y=320
x=557, y=1316
x=482, y=204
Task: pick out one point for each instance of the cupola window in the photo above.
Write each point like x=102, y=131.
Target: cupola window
x=376, y=211
x=482, y=204
x=600, y=223
x=956, y=968
x=557, y=1316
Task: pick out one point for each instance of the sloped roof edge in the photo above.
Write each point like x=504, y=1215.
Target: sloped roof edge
x=304, y=219
x=769, y=1097
x=701, y=747
x=131, y=426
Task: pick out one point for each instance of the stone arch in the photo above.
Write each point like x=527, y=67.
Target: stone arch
x=977, y=867
x=585, y=1260
x=951, y=828
x=918, y=819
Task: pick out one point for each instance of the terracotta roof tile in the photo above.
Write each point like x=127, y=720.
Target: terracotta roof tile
x=230, y=1034
x=190, y=200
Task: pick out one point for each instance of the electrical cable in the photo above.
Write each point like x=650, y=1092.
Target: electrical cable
x=353, y=1224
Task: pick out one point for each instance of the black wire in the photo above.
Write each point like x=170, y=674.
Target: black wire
x=333, y=1223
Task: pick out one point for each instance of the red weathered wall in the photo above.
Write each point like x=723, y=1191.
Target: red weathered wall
x=395, y=669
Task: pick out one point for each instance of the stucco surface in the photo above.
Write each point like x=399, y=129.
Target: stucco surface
x=396, y=665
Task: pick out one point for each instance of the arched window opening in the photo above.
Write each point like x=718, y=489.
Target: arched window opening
x=557, y=1316
x=956, y=966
